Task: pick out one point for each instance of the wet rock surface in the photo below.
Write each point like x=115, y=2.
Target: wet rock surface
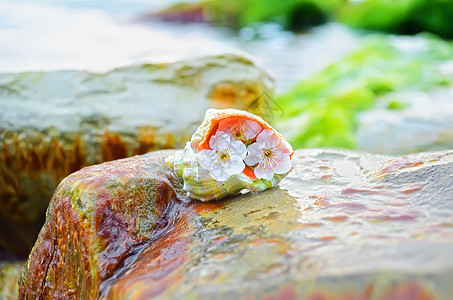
x=97, y=218
x=9, y=277
x=341, y=225
x=54, y=123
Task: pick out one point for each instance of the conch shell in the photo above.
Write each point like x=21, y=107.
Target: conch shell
x=239, y=149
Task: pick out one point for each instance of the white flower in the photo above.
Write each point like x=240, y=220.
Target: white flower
x=225, y=158
x=270, y=153
x=240, y=129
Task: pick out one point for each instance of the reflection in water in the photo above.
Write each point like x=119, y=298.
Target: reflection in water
x=101, y=36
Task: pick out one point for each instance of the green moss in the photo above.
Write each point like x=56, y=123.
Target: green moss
x=291, y=14
x=402, y=16
x=395, y=105
x=384, y=15
x=322, y=110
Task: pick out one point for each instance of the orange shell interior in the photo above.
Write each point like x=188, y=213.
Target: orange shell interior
x=204, y=143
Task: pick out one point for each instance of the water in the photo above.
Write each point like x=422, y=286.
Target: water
x=101, y=35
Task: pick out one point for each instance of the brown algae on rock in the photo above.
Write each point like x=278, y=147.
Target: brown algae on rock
x=57, y=122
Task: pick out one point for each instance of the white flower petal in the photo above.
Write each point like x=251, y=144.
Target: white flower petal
x=251, y=129
x=269, y=138
x=219, y=174
x=252, y=159
x=255, y=153
x=219, y=141
x=263, y=172
x=285, y=147
x=225, y=158
x=256, y=148
x=238, y=148
x=283, y=164
x=236, y=165
x=207, y=158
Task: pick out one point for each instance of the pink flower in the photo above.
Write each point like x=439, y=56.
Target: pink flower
x=240, y=129
x=226, y=157
x=271, y=154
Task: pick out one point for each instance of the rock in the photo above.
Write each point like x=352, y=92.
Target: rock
x=9, y=277
x=97, y=219
x=340, y=225
x=423, y=123
x=180, y=13
x=54, y=123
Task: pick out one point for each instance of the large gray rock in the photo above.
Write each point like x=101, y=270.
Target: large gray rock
x=54, y=123
x=342, y=225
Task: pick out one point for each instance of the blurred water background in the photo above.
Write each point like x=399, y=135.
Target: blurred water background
x=101, y=35
x=344, y=70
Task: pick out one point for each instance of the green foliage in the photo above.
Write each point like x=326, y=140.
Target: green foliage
x=292, y=14
x=384, y=15
x=397, y=16
x=322, y=111
x=401, y=16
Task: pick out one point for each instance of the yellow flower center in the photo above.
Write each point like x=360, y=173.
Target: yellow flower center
x=267, y=153
x=224, y=157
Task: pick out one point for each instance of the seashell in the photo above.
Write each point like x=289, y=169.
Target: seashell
x=234, y=130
